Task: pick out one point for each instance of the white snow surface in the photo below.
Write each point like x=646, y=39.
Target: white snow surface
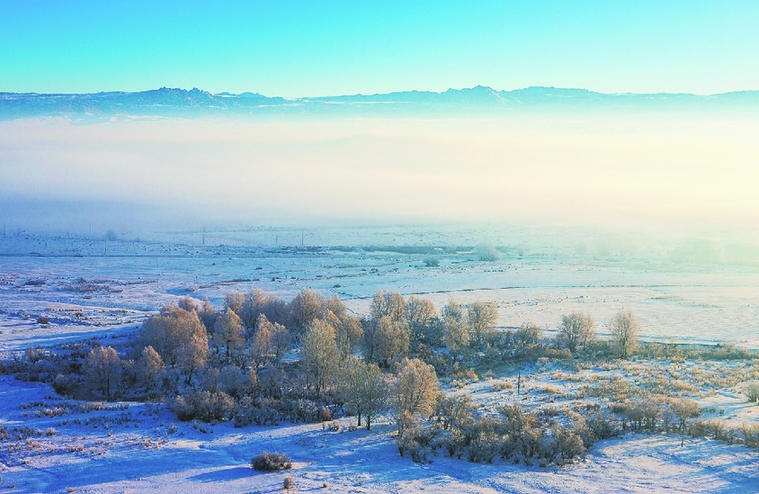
x=149, y=452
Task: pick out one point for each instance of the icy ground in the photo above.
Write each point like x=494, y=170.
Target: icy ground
x=97, y=288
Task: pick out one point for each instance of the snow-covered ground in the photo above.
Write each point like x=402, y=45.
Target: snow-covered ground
x=143, y=449
x=96, y=288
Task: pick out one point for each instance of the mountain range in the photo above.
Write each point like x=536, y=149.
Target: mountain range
x=476, y=100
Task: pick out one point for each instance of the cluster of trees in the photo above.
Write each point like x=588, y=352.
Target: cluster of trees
x=259, y=359
x=577, y=332
x=204, y=359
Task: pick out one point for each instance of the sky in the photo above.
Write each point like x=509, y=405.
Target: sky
x=310, y=48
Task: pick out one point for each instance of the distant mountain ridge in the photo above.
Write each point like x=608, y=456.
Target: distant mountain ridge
x=479, y=99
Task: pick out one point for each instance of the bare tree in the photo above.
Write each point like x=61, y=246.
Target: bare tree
x=576, y=330
x=624, y=331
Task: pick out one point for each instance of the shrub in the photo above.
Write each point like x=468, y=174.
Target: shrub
x=487, y=253
x=202, y=405
x=418, y=442
x=431, y=262
x=288, y=483
x=484, y=440
x=752, y=391
x=271, y=462
x=259, y=411
x=324, y=414
x=64, y=384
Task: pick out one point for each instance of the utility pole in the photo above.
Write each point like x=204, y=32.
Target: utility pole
x=204, y=235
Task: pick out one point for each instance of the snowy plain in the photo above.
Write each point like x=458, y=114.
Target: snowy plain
x=105, y=289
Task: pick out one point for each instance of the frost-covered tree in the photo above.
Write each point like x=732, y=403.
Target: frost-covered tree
x=420, y=314
x=364, y=389
x=319, y=354
x=528, y=334
x=207, y=314
x=177, y=335
x=281, y=341
x=234, y=301
x=684, y=409
x=388, y=304
x=228, y=334
x=385, y=340
x=259, y=302
x=415, y=392
x=187, y=303
x=348, y=327
x=103, y=369
x=234, y=382
x=193, y=355
x=149, y=369
x=455, y=330
x=260, y=349
x=576, y=330
x=269, y=343
x=481, y=317
x=487, y=252
x=624, y=332
x=303, y=309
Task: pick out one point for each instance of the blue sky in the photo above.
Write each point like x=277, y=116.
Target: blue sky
x=302, y=48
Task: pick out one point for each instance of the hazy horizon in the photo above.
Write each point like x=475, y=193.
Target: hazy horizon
x=613, y=169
